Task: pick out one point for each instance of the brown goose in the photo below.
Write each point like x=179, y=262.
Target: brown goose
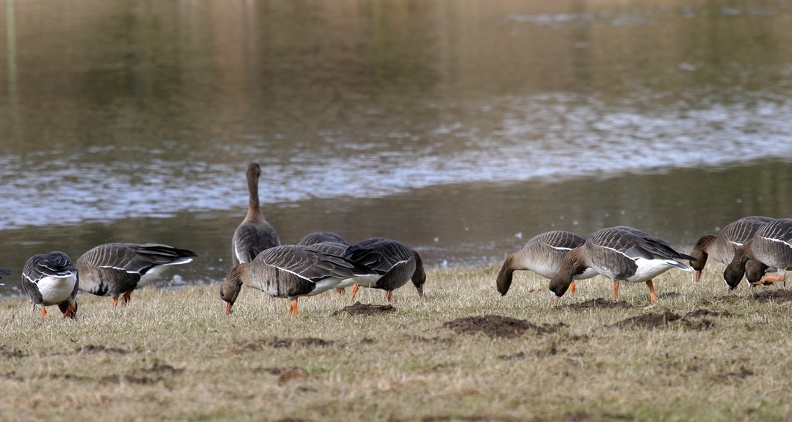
x=622, y=254
x=288, y=271
x=721, y=247
x=542, y=255
x=119, y=268
x=254, y=234
x=388, y=263
x=51, y=279
x=771, y=246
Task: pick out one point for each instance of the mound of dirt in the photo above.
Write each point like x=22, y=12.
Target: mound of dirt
x=600, y=303
x=694, y=320
x=278, y=343
x=360, y=309
x=497, y=326
x=775, y=295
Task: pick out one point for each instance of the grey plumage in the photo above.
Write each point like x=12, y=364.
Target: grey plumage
x=721, y=247
x=389, y=264
x=771, y=246
x=51, y=279
x=320, y=237
x=119, y=268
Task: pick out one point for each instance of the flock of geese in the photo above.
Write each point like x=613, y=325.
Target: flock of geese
x=751, y=247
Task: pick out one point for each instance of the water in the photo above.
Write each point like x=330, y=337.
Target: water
x=461, y=128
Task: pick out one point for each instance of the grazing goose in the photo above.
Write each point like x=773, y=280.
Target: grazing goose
x=119, y=268
x=542, y=255
x=254, y=234
x=622, y=254
x=771, y=246
x=288, y=271
x=320, y=237
x=721, y=247
x=51, y=279
x=389, y=265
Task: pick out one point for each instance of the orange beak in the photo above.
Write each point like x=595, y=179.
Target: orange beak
x=698, y=276
x=228, y=308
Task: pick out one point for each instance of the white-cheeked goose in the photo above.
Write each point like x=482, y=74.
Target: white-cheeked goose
x=287, y=271
x=51, y=279
x=620, y=253
x=254, y=234
x=721, y=247
x=771, y=246
x=389, y=263
x=117, y=269
x=542, y=254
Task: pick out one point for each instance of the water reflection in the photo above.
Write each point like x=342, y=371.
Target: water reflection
x=462, y=128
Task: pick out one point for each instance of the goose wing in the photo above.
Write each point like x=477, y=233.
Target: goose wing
x=307, y=263
x=378, y=254
x=134, y=258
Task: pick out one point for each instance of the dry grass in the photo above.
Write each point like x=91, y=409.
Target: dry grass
x=175, y=355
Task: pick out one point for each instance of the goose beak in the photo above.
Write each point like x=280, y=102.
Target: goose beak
x=698, y=276
x=228, y=308
x=420, y=291
x=553, y=297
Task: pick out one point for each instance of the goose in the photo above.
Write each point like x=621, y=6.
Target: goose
x=620, y=253
x=117, y=269
x=320, y=237
x=721, y=247
x=254, y=234
x=771, y=246
x=542, y=254
x=389, y=265
x=288, y=271
x=51, y=279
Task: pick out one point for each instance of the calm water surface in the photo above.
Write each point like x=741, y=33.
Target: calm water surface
x=460, y=127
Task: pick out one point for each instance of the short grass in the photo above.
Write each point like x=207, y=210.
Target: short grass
x=174, y=354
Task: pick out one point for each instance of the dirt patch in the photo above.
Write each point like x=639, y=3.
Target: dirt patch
x=279, y=343
x=364, y=309
x=498, y=326
x=430, y=340
x=694, y=320
x=449, y=418
x=90, y=348
x=775, y=295
x=164, y=369
x=12, y=353
x=600, y=303
x=735, y=376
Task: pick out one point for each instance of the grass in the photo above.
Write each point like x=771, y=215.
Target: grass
x=174, y=354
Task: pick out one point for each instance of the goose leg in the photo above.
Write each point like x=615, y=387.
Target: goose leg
x=293, y=308
x=127, y=296
x=44, y=313
x=615, y=290
x=340, y=291
x=572, y=288
x=115, y=302
x=770, y=279
x=389, y=295
x=355, y=288
x=652, y=295
x=69, y=311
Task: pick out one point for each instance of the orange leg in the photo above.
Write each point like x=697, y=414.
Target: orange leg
x=615, y=290
x=355, y=288
x=115, y=302
x=389, y=295
x=44, y=313
x=127, y=296
x=652, y=295
x=69, y=311
x=770, y=279
x=572, y=288
x=340, y=291
x=293, y=308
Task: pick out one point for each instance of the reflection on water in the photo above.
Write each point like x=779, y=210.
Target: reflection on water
x=462, y=128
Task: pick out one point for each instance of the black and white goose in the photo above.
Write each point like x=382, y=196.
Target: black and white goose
x=771, y=246
x=620, y=253
x=51, y=279
x=389, y=263
x=542, y=254
x=117, y=269
x=287, y=271
x=721, y=247
x=254, y=234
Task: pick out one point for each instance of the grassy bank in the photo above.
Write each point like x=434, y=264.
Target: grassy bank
x=697, y=354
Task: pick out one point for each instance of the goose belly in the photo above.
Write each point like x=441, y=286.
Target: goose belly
x=650, y=268
x=324, y=285
x=55, y=290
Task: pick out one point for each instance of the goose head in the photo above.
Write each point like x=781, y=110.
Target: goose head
x=232, y=284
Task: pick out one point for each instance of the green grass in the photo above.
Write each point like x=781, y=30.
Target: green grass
x=174, y=354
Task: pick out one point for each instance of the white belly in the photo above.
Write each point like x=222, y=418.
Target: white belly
x=55, y=290
x=651, y=268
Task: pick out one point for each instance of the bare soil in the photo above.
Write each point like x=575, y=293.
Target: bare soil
x=600, y=303
x=498, y=326
x=364, y=309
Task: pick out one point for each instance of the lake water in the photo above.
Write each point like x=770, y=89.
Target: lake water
x=462, y=128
